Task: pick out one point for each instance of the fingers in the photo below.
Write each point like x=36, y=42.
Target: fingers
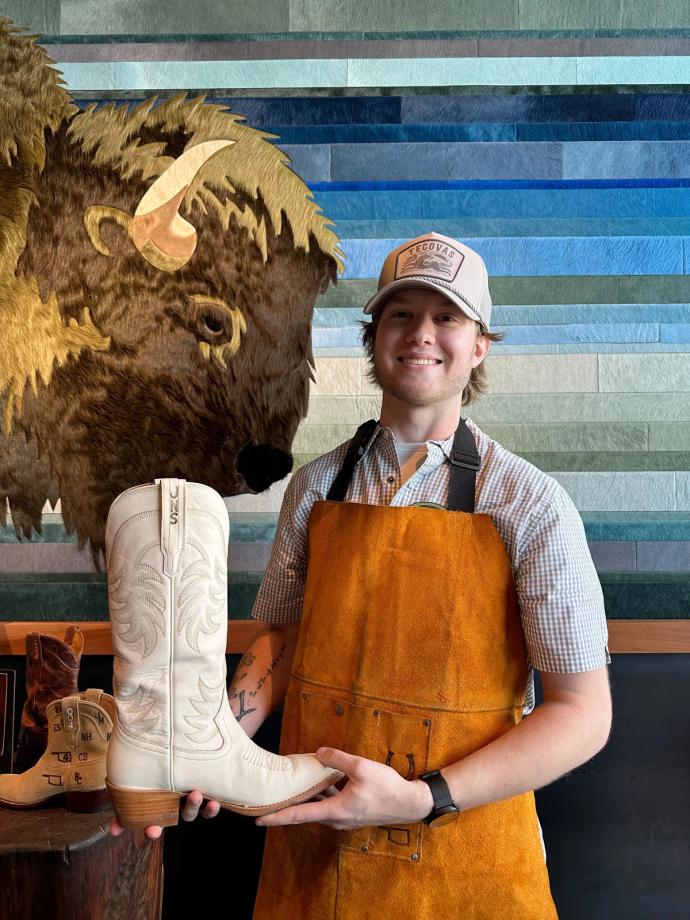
x=323, y=811
x=211, y=809
x=191, y=807
x=339, y=760
x=153, y=832
x=115, y=828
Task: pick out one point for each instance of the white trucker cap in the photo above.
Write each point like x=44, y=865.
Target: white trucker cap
x=442, y=264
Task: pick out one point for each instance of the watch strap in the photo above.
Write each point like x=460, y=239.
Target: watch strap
x=443, y=800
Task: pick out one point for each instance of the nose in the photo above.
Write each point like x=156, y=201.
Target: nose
x=421, y=331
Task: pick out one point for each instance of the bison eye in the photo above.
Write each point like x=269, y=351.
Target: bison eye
x=213, y=323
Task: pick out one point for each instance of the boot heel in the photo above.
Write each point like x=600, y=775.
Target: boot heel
x=84, y=802
x=140, y=808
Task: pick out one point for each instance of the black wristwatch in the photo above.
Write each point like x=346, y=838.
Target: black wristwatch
x=445, y=810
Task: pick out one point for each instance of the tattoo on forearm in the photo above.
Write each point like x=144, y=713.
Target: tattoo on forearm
x=243, y=712
x=270, y=669
x=246, y=659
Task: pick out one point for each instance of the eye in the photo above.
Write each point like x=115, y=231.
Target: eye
x=212, y=323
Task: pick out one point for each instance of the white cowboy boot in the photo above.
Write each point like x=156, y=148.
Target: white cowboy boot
x=166, y=549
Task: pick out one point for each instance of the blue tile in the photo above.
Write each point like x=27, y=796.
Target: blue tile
x=547, y=202
x=370, y=205
x=591, y=313
x=445, y=161
x=678, y=332
x=379, y=134
x=516, y=227
x=605, y=131
x=315, y=110
x=538, y=257
x=663, y=556
x=663, y=106
x=613, y=556
x=626, y=159
x=312, y=164
x=437, y=109
x=580, y=333
x=336, y=338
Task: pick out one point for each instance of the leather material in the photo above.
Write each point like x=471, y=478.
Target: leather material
x=166, y=553
x=79, y=729
x=52, y=671
x=411, y=653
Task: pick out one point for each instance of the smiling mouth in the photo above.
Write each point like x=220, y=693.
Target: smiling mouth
x=419, y=361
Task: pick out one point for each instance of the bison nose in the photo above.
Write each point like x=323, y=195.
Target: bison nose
x=262, y=464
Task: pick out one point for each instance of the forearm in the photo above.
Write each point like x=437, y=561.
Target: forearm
x=550, y=742
x=261, y=677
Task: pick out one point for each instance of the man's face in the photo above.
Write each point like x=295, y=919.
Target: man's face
x=425, y=348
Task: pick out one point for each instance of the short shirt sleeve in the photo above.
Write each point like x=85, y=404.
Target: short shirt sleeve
x=559, y=592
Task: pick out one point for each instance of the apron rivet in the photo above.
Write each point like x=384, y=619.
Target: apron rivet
x=427, y=723
x=339, y=709
x=364, y=849
x=377, y=713
x=415, y=857
x=305, y=696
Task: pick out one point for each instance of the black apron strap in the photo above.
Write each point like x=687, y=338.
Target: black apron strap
x=464, y=459
x=355, y=452
x=465, y=462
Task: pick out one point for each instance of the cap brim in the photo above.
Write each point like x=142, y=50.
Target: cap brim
x=377, y=301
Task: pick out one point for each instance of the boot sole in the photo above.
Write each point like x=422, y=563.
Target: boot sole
x=80, y=802
x=139, y=808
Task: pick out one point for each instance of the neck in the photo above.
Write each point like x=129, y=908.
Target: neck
x=419, y=423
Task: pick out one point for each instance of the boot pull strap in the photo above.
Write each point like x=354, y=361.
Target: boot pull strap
x=173, y=517
x=33, y=647
x=70, y=713
x=93, y=696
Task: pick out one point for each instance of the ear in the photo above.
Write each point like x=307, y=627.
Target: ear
x=95, y=215
x=481, y=349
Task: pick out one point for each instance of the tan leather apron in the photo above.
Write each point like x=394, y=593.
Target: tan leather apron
x=411, y=653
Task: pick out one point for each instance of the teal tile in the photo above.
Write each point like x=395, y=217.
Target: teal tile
x=50, y=533
x=91, y=77
x=463, y=72
x=173, y=17
x=643, y=596
x=227, y=74
x=683, y=490
x=655, y=525
x=388, y=15
x=641, y=71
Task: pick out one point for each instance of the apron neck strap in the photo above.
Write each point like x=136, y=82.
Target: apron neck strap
x=465, y=462
x=355, y=452
x=464, y=459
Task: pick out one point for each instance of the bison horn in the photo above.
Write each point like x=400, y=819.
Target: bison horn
x=160, y=233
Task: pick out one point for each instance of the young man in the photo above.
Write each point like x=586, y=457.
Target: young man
x=438, y=572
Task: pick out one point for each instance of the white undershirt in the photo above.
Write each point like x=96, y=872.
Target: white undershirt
x=411, y=455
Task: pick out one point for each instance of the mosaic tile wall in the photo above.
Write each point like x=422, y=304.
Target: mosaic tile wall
x=562, y=155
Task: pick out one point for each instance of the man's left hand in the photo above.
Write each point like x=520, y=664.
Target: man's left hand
x=373, y=795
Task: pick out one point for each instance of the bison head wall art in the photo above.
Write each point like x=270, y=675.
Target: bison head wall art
x=159, y=266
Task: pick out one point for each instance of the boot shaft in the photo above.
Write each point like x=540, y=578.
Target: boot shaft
x=79, y=728
x=166, y=555
x=52, y=670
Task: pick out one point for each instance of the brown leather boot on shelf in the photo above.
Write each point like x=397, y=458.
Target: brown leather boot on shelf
x=72, y=768
x=52, y=669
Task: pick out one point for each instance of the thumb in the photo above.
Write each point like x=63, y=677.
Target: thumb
x=338, y=760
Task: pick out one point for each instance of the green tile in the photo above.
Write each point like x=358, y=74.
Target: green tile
x=592, y=437
x=36, y=15
x=583, y=14
x=651, y=373
x=319, y=439
x=542, y=373
x=389, y=15
x=640, y=14
x=545, y=290
x=582, y=408
x=646, y=596
x=666, y=436
x=173, y=17
x=608, y=461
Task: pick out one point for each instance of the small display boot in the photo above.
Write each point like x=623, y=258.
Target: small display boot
x=52, y=669
x=166, y=554
x=72, y=768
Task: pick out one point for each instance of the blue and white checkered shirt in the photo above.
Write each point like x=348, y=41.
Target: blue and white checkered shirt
x=559, y=593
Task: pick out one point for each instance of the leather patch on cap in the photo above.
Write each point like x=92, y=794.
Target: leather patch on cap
x=434, y=258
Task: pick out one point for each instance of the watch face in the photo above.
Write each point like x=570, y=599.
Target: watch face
x=440, y=820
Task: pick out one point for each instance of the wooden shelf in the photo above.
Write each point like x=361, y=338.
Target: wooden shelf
x=625, y=636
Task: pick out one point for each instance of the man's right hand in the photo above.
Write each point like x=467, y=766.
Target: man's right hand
x=189, y=812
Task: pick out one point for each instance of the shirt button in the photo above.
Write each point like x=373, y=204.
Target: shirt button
x=391, y=479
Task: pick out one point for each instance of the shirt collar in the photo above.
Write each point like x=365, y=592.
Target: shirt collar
x=382, y=432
